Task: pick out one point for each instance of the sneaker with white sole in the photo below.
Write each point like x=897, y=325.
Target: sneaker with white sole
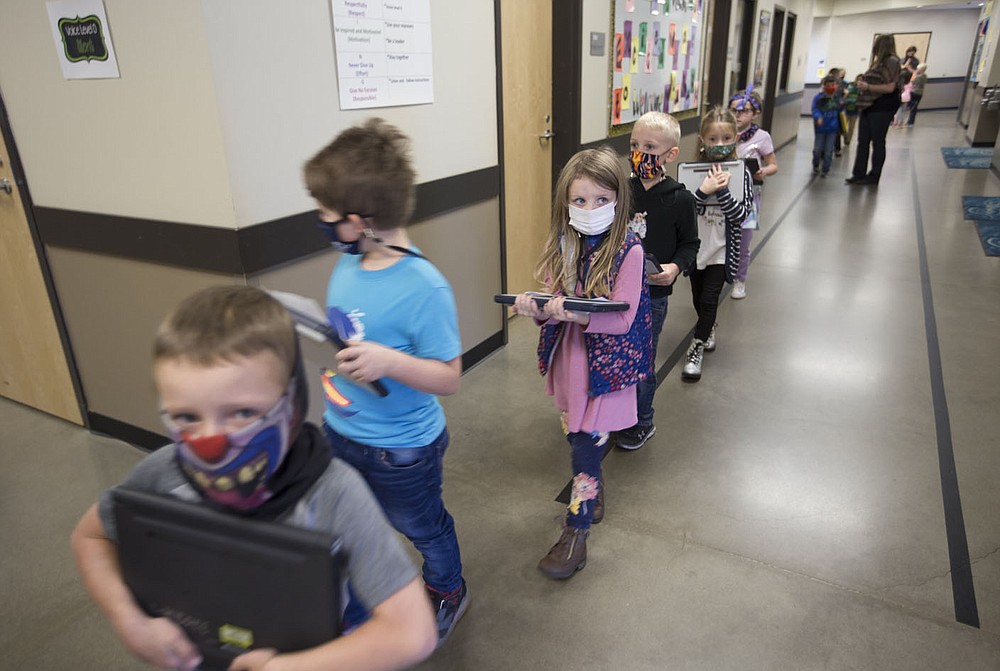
x=739, y=290
x=635, y=437
x=710, y=343
x=692, y=361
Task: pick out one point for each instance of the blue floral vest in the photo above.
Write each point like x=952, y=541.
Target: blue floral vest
x=615, y=361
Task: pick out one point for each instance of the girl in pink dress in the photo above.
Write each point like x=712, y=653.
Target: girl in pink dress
x=592, y=360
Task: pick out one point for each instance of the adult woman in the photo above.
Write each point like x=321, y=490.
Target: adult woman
x=878, y=99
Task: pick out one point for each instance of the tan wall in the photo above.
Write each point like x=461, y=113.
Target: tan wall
x=112, y=308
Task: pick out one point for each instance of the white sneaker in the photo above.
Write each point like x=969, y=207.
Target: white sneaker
x=739, y=290
x=710, y=342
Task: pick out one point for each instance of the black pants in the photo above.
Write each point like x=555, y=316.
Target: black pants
x=873, y=125
x=706, y=286
x=914, y=101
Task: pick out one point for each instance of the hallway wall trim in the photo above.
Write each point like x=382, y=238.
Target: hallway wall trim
x=244, y=251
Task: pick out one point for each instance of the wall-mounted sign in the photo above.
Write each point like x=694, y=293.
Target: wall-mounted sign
x=83, y=40
x=383, y=52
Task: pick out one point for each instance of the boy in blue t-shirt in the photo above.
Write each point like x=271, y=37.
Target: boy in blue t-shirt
x=826, y=124
x=397, y=314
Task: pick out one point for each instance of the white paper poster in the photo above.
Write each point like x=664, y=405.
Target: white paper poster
x=83, y=39
x=384, y=53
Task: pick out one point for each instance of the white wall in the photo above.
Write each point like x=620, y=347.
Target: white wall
x=279, y=106
x=146, y=145
x=218, y=105
x=846, y=41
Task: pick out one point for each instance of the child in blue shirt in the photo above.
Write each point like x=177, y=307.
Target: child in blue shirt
x=397, y=314
x=826, y=124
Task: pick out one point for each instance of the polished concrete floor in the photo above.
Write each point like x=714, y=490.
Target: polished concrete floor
x=824, y=498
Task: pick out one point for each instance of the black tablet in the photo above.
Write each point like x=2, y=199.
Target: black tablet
x=232, y=583
x=754, y=165
x=572, y=303
x=652, y=265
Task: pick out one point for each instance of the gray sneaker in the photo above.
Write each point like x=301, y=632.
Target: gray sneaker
x=692, y=361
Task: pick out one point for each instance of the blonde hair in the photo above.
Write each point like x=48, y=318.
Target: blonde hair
x=559, y=266
x=225, y=323
x=664, y=124
x=716, y=115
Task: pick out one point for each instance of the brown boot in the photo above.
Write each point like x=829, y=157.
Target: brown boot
x=598, y=504
x=568, y=555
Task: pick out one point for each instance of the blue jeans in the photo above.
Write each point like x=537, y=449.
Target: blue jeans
x=646, y=388
x=407, y=483
x=823, y=150
x=586, y=451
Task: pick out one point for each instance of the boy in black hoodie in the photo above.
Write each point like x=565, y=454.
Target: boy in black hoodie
x=665, y=219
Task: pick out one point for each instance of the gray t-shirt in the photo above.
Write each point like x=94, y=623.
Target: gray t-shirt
x=339, y=503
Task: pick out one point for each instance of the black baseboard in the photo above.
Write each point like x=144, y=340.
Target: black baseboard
x=483, y=350
x=108, y=426
x=148, y=440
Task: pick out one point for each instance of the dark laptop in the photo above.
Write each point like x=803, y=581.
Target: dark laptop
x=232, y=583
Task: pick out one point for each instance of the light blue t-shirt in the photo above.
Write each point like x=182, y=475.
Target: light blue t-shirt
x=408, y=306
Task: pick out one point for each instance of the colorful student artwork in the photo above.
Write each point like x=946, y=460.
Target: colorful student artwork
x=656, y=46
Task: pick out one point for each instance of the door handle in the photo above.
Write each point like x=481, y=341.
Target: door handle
x=547, y=134
x=5, y=186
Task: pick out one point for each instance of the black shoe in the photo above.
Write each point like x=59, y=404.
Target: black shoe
x=448, y=609
x=635, y=437
x=854, y=180
x=823, y=175
x=815, y=169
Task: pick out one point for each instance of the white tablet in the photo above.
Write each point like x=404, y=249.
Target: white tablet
x=691, y=175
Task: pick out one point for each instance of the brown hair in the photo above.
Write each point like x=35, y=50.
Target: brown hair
x=366, y=170
x=223, y=323
x=557, y=269
x=883, y=48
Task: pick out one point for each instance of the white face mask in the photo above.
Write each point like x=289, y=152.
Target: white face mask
x=592, y=222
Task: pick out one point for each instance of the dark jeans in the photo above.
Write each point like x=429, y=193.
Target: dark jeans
x=407, y=483
x=706, y=286
x=872, y=129
x=914, y=101
x=586, y=451
x=646, y=388
x=823, y=150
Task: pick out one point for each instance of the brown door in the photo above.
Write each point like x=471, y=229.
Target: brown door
x=526, y=63
x=33, y=365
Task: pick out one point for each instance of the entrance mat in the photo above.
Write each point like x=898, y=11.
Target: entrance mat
x=989, y=235
x=967, y=157
x=981, y=208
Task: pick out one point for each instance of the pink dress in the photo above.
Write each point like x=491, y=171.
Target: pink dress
x=568, y=379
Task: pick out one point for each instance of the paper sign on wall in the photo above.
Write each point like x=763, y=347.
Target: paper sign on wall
x=384, y=53
x=83, y=40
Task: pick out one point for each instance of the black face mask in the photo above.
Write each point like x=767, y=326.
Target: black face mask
x=329, y=229
x=354, y=247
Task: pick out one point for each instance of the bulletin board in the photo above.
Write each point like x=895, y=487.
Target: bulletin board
x=655, y=58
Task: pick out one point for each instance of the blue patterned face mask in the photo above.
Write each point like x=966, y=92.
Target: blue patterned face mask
x=719, y=152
